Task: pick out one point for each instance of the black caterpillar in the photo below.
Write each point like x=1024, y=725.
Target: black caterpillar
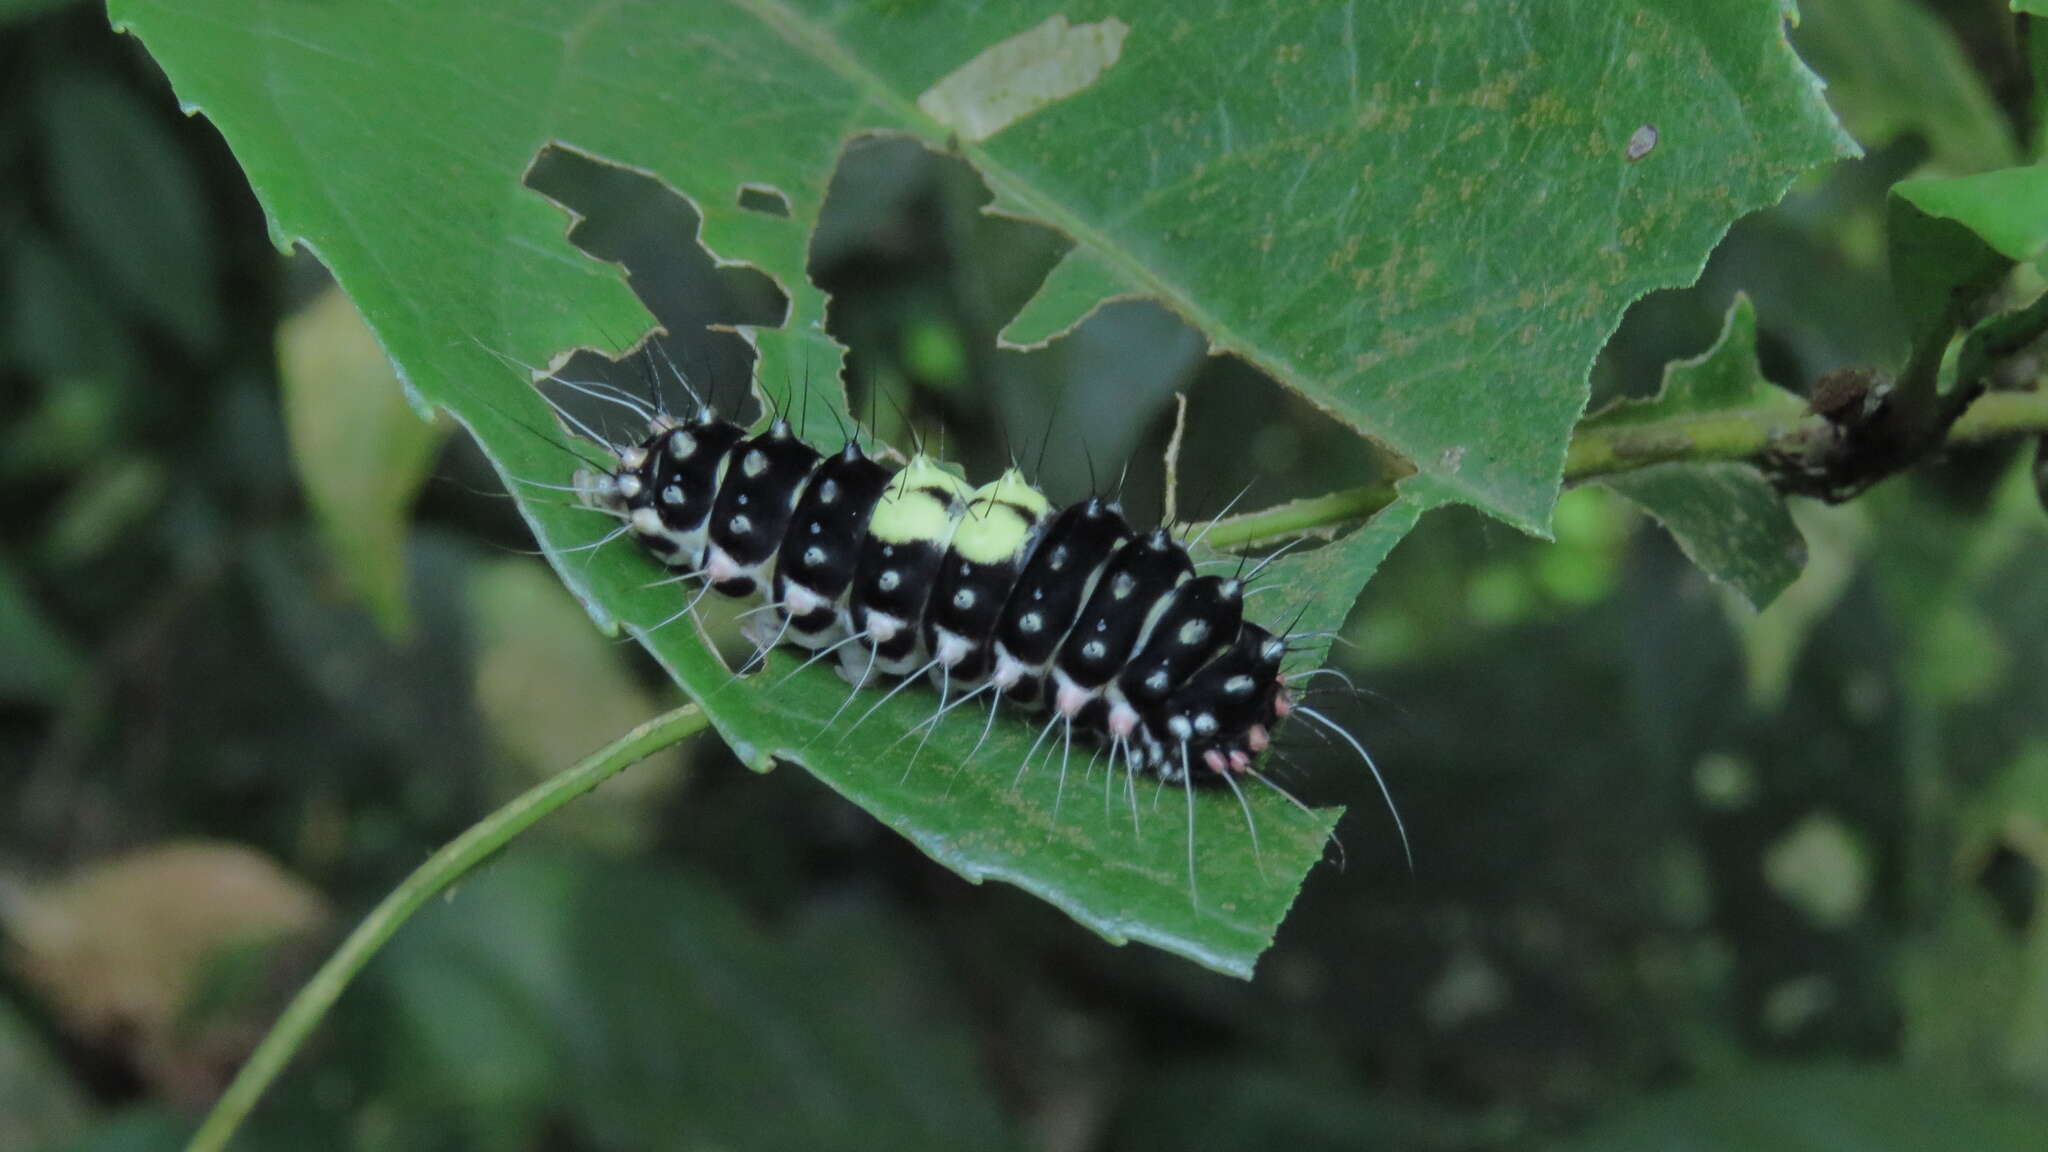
x=909, y=572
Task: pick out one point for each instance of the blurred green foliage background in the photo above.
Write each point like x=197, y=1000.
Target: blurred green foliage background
x=1687, y=876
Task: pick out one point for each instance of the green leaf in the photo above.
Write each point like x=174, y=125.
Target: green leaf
x=1725, y=515
x=2041, y=471
x=2008, y=208
x=359, y=449
x=1974, y=987
x=1893, y=68
x=703, y=989
x=129, y=199
x=1249, y=1107
x=1723, y=380
x=2031, y=7
x=135, y=1129
x=1396, y=215
x=42, y=660
x=415, y=699
x=1306, y=176
x=97, y=515
x=60, y=327
x=1938, y=266
x=1327, y=197
x=658, y=1015
x=1728, y=520
x=1818, y=1108
x=1837, y=536
x=39, y=1105
x=2036, y=55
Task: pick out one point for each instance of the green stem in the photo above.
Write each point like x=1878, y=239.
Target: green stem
x=1301, y=516
x=443, y=868
x=1600, y=452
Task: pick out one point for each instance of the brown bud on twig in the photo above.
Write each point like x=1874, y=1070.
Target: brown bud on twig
x=1842, y=396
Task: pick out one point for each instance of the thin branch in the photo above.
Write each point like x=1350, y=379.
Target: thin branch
x=1761, y=437
x=442, y=869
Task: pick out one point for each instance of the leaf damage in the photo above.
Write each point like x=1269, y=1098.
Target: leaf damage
x=1013, y=79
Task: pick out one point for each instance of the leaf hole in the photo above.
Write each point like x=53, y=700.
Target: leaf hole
x=923, y=276
x=626, y=217
x=766, y=199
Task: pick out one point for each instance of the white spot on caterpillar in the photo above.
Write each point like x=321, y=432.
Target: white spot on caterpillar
x=1012, y=79
x=673, y=494
x=740, y=525
x=828, y=492
x=754, y=464
x=1238, y=685
x=629, y=486
x=883, y=627
x=1158, y=681
x=1093, y=650
x=681, y=444
x=1205, y=723
x=798, y=600
x=595, y=489
x=1010, y=671
x=1069, y=698
x=889, y=579
x=1122, y=585
x=814, y=556
x=963, y=599
x=1193, y=632
x=953, y=648
x=1031, y=623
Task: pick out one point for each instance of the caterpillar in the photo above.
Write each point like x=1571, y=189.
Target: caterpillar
x=909, y=573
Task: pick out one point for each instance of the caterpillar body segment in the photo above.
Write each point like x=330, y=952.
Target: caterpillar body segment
x=1058, y=578
x=990, y=547
x=908, y=537
x=1203, y=616
x=1128, y=597
x=1223, y=716
x=666, y=486
x=763, y=479
x=815, y=567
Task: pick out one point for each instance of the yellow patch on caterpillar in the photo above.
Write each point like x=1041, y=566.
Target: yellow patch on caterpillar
x=1001, y=519
x=920, y=505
